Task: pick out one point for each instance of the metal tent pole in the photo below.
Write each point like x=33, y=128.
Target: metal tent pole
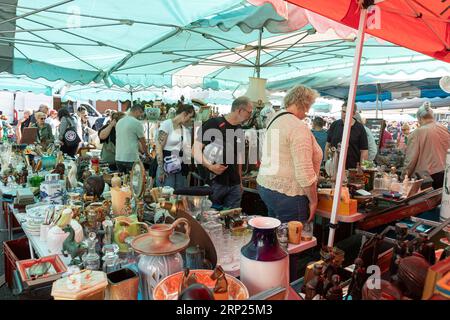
x=258, y=55
x=347, y=126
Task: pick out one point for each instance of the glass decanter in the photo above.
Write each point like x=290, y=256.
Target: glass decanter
x=91, y=259
x=111, y=261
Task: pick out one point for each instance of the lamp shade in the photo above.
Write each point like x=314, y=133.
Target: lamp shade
x=444, y=83
x=257, y=90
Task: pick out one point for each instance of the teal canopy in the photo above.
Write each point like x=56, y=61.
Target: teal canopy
x=208, y=44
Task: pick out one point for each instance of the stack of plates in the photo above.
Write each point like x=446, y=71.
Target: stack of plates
x=32, y=228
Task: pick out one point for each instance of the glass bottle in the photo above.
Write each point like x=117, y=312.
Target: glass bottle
x=111, y=261
x=108, y=229
x=91, y=259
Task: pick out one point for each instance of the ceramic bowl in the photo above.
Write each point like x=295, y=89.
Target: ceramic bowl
x=167, y=288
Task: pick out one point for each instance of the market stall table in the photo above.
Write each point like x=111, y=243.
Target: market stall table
x=34, y=241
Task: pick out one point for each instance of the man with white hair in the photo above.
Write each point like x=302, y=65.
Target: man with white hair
x=427, y=147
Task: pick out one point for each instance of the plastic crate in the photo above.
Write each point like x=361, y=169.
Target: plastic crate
x=14, y=250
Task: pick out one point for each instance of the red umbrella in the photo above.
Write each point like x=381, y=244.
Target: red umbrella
x=420, y=25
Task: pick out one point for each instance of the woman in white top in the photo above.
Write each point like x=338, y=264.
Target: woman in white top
x=290, y=163
x=172, y=135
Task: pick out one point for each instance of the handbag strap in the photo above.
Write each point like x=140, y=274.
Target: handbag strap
x=276, y=117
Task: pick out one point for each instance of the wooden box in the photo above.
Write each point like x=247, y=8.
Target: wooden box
x=56, y=262
x=435, y=273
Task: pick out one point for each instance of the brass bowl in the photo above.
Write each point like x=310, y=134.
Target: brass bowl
x=167, y=288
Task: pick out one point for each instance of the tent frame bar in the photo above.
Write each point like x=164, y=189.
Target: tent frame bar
x=347, y=126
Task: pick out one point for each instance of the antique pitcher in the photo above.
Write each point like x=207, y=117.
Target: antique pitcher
x=160, y=253
x=127, y=226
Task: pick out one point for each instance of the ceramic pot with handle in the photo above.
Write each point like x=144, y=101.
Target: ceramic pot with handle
x=127, y=226
x=160, y=257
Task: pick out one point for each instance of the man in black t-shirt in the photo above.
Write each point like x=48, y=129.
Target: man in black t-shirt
x=219, y=147
x=358, y=149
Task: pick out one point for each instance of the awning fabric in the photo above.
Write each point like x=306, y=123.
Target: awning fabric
x=420, y=25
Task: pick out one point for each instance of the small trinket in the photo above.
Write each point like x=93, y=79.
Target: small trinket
x=221, y=287
x=187, y=280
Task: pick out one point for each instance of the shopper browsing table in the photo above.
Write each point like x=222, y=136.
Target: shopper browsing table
x=224, y=135
x=358, y=149
x=107, y=136
x=290, y=163
x=427, y=147
x=130, y=139
x=172, y=136
x=45, y=135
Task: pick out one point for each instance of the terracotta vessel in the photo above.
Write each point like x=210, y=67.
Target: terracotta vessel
x=123, y=284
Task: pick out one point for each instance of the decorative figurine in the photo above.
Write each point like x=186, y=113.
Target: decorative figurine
x=94, y=186
x=72, y=181
x=316, y=285
x=331, y=267
x=426, y=248
x=70, y=246
x=221, y=287
x=358, y=279
x=60, y=169
x=127, y=210
x=335, y=292
x=140, y=211
x=187, y=280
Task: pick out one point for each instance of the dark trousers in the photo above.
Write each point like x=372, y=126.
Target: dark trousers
x=285, y=209
x=124, y=167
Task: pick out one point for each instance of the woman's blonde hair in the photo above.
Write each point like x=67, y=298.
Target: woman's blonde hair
x=301, y=96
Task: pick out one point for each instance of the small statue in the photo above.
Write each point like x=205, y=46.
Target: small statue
x=76, y=250
x=358, y=279
x=426, y=248
x=72, y=176
x=127, y=210
x=316, y=285
x=94, y=186
x=335, y=292
x=331, y=267
x=60, y=169
x=187, y=280
x=221, y=287
x=140, y=211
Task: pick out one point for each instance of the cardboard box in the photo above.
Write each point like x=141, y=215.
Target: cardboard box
x=325, y=203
